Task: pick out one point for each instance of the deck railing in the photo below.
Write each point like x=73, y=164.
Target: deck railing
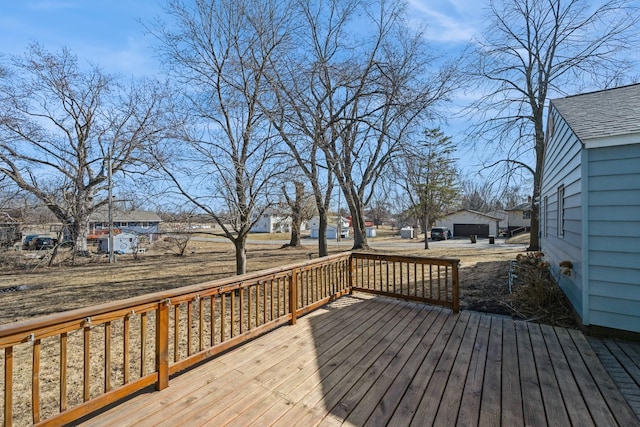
x=73, y=363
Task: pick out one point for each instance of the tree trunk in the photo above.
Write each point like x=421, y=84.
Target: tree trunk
x=295, y=234
x=296, y=215
x=425, y=222
x=323, y=249
x=357, y=222
x=359, y=231
x=79, y=232
x=241, y=255
x=534, y=233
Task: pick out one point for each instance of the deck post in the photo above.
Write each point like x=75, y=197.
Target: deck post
x=162, y=344
x=293, y=296
x=351, y=273
x=455, y=291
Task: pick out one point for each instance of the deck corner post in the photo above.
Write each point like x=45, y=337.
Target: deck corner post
x=455, y=291
x=162, y=345
x=293, y=296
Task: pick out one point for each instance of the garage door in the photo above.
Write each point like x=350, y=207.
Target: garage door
x=463, y=230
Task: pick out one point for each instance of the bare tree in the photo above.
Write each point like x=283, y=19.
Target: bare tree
x=60, y=120
x=227, y=159
x=302, y=107
x=387, y=86
x=426, y=171
x=349, y=97
x=534, y=49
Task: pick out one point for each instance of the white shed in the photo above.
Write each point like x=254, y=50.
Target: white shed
x=124, y=243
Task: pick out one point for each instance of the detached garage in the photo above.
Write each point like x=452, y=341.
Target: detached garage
x=464, y=223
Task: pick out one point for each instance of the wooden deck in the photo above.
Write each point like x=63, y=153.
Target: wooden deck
x=366, y=360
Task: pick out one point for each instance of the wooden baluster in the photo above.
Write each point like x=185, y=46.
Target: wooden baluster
x=143, y=342
x=35, y=382
x=189, y=325
x=213, y=320
x=8, y=386
x=201, y=323
x=271, y=297
x=223, y=316
x=241, y=309
x=232, y=323
x=63, y=372
x=125, y=337
x=249, y=307
x=293, y=296
x=176, y=332
x=107, y=357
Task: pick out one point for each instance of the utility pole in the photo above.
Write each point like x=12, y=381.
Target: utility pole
x=339, y=230
x=110, y=181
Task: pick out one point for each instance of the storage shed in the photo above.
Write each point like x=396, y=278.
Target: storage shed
x=124, y=243
x=590, y=204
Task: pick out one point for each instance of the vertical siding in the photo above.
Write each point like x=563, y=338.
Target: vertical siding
x=614, y=236
x=562, y=167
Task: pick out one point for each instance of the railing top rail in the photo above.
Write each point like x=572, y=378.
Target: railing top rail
x=47, y=321
x=415, y=258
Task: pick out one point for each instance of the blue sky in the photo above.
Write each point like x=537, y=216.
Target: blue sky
x=108, y=33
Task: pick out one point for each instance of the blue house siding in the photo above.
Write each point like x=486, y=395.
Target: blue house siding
x=614, y=236
x=562, y=167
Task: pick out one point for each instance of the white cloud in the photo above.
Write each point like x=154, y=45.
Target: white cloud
x=456, y=22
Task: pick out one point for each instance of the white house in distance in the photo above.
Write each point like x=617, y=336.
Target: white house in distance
x=465, y=222
x=268, y=223
x=590, y=205
x=519, y=217
x=332, y=227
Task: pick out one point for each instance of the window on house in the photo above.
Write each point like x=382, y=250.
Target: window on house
x=145, y=225
x=526, y=215
x=561, y=211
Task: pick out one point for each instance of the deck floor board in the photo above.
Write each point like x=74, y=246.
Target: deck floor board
x=365, y=360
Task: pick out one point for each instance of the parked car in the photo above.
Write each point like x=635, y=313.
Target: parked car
x=41, y=243
x=27, y=240
x=440, y=233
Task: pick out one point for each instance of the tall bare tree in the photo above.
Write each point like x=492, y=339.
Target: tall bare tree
x=351, y=97
x=426, y=171
x=226, y=161
x=60, y=120
x=535, y=49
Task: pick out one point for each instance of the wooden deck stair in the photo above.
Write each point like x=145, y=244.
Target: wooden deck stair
x=365, y=360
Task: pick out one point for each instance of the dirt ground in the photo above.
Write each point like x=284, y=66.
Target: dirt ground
x=35, y=290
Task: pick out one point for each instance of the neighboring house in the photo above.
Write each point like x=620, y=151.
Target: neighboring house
x=332, y=227
x=519, y=217
x=135, y=221
x=590, y=204
x=465, y=222
x=268, y=223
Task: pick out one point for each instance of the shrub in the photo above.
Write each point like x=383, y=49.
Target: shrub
x=536, y=295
